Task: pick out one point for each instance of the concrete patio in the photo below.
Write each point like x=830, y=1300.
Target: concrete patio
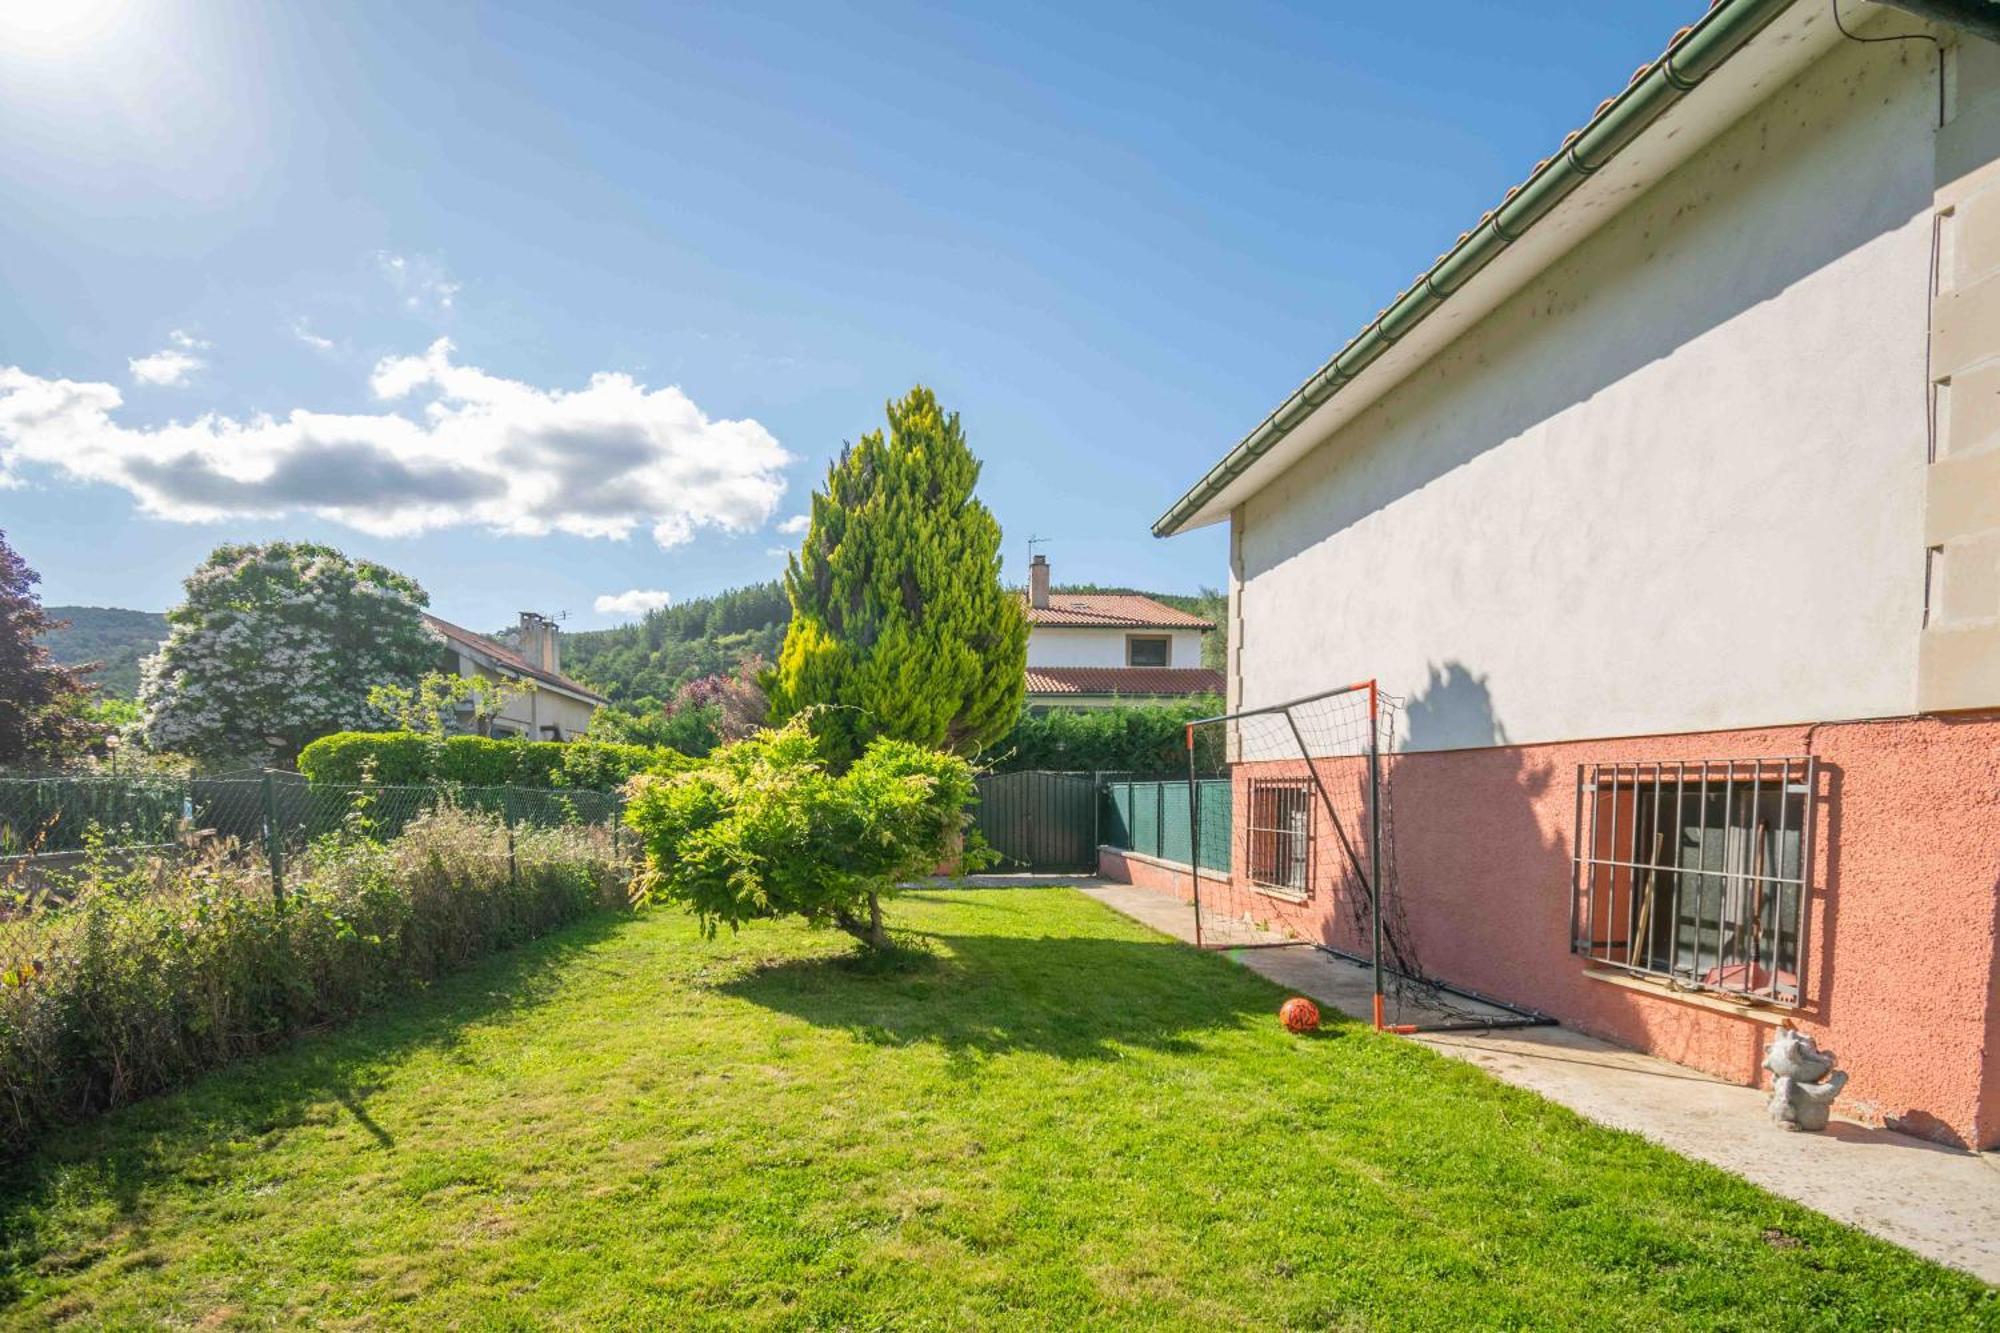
x=1939, y=1202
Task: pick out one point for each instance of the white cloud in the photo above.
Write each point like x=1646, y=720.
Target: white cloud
x=599, y=461
x=795, y=525
x=172, y=364
x=303, y=332
x=631, y=602
x=422, y=284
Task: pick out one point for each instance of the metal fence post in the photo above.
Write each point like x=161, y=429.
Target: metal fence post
x=274, y=841
x=507, y=814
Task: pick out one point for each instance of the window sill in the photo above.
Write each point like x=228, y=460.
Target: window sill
x=1296, y=897
x=1757, y=1011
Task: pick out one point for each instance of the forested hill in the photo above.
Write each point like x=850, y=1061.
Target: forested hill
x=112, y=635
x=676, y=644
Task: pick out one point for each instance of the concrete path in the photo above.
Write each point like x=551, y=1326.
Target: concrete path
x=1940, y=1202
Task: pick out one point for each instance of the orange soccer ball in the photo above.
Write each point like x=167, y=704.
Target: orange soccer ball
x=1299, y=1014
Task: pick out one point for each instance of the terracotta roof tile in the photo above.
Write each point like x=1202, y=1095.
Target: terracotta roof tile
x=1123, y=680
x=1115, y=610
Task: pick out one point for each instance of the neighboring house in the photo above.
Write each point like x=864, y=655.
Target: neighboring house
x=556, y=709
x=1092, y=650
x=1687, y=452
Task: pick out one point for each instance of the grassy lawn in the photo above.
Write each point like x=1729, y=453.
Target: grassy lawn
x=1058, y=1120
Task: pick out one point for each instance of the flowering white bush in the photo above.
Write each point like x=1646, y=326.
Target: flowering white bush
x=278, y=644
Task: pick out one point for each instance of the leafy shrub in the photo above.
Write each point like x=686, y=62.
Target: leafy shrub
x=763, y=829
x=1140, y=738
x=158, y=971
x=408, y=757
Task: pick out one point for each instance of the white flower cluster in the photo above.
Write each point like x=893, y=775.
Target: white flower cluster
x=277, y=645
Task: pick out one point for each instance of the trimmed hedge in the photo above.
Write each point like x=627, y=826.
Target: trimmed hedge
x=1130, y=738
x=408, y=758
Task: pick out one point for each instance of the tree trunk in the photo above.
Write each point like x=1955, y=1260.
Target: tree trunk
x=869, y=932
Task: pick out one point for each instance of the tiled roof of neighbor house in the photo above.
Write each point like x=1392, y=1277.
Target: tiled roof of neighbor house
x=507, y=659
x=1123, y=680
x=1113, y=610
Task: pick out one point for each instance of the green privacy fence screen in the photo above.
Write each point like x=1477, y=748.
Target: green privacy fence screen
x=1152, y=818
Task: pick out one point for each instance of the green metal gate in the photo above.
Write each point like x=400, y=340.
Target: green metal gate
x=1040, y=821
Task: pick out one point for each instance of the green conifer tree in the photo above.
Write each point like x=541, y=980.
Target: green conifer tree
x=899, y=621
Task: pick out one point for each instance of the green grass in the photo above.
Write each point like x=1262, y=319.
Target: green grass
x=1056, y=1119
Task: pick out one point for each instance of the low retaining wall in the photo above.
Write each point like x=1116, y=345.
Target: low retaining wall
x=1902, y=968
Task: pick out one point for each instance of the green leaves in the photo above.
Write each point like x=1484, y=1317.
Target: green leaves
x=279, y=643
x=765, y=829
x=898, y=615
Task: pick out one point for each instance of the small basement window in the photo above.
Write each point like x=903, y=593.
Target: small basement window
x=1148, y=650
x=1696, y=871
x=1280, y=834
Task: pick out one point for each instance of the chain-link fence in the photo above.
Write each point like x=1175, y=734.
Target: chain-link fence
x=1154, y=818
x=52, y=824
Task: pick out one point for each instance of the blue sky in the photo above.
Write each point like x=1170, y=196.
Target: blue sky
x=1112, y=236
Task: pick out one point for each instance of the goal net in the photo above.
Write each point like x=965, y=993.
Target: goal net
x=1312, y=843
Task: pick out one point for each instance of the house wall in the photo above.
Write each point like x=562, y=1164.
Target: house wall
x=1675, y=484
x=529, y=713
x=1050, y=646
x=1900, y=963
x=1687, y=492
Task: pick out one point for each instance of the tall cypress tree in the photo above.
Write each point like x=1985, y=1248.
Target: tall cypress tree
x=899, y=621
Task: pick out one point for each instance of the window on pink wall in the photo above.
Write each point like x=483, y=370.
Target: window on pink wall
x=1279, y=834
x=1697, y=871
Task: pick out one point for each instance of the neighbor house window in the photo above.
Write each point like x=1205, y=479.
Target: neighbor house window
x=1280, y=834
x=1696, y=871
x=1154, y=650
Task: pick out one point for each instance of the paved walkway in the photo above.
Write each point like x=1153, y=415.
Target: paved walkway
x=1942, y=1203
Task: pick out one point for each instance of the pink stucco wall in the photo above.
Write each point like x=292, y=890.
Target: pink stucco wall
x=1901, y=975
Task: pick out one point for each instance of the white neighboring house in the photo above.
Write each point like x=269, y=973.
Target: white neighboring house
x=557, y=709
x=1093, y=650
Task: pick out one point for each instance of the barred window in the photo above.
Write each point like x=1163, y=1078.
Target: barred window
x=1280, y=833
x=1697, y=871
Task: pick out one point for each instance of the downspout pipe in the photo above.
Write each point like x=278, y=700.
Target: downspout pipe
x=1979, y=17
x=1695, y=53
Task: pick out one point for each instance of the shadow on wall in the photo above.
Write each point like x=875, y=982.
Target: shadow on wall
x=1482, y=845
x=1684, y=255
x=1479, y=884
x=1453, y=710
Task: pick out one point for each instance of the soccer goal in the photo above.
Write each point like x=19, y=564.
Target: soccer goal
x=1312, y=847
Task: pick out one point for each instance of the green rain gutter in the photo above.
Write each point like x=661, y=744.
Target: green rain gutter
x=1695, y=53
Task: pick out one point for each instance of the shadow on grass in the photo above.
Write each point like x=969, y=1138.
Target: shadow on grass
x=1072, y=997
x=119, y=1155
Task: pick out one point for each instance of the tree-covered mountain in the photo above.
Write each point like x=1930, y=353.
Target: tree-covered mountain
x=112, y=635
x=676, y=644
x=704, y=636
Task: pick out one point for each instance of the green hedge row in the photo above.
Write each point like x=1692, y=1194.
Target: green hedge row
x=1132, y=738
x=411, y=758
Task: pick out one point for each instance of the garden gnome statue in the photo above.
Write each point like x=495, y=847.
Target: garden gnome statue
x=1804, y=1081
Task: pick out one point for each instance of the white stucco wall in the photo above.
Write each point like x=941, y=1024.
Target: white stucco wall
x=1675, y=484
x=1050, y=646
x=526, y=714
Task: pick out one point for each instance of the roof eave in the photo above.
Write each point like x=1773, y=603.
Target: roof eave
x=1468, y=275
